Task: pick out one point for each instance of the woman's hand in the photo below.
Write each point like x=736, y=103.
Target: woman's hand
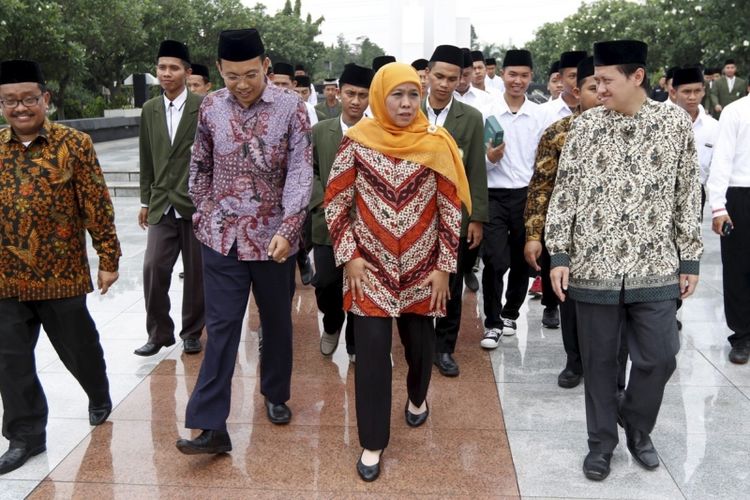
x=355, y=272
x=438, y=282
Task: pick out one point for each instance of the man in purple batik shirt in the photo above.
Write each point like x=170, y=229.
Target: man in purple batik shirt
x=250, y=180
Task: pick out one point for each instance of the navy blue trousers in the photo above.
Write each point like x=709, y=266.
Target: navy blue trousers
x=227, y=282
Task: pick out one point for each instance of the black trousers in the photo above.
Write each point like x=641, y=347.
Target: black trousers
x=164, y=243
x=72, y=333
x=735, y=262
x=502, y=249
x=329, y=294
x=446, y=328
x=227, y=286
x=549, y=299
x=569, y=327
x=373, y=371
x=653, y=343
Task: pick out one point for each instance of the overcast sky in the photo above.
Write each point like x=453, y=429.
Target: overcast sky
x=495, y=21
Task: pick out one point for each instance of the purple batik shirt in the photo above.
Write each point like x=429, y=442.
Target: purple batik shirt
x=251, y=172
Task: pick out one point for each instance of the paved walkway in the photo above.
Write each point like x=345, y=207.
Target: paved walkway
x=501, y=429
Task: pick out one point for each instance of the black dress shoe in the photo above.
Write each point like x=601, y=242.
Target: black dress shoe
x=739, y=354
x=211, y=442
x=471, y=281
x=568, y=379
x=149, y=349
x=446, y=364
x=191, y=346
x=278, y=414
x=551, y=317
x=305, y=269
x=596, y=465
x=640, y=447
x=98, y=412
x=16, y=457
x=368, y=472
x=413, y=420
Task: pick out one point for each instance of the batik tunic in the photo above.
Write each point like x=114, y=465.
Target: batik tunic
x=400, y=216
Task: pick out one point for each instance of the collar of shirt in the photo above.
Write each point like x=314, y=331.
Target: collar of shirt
x=7, y=135
x=344, y=126
x=525, y=109
x=473, y=92
x=178, y=101
x=431, y=116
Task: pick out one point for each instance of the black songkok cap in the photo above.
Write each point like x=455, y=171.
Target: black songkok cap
x=467, y=62
x=302, y=81
x=585, y=69
x=553, y=68
x=670, y=72
x=173, y=48
x=729, y=61
x=490, y=61
x=448, y=54
x=359, y=76
x=240, y=45
x=572, y=58
x=20, y=71
x=282, y=68
x=299, y=67
x=330, y=81
x=420, y=64
x=381, y=61
x=683, y=76
x=708, y=71
x=200, y=70
x=476, y=55
x=520, y=57
x=615, y=52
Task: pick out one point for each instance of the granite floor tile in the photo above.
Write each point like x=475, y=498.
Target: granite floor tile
x=528, y=364
x=11, y=489
x=530, y=407
x=694, y=369
x=703, y=410
x=738, y=375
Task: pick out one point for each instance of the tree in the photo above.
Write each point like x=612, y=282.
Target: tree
x=362, y=52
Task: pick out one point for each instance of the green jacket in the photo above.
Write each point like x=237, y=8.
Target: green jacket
x=709, y=100
x=324, y=114
x=164, y=168
x=326, y=137
x=721, y=93
x=466, y=126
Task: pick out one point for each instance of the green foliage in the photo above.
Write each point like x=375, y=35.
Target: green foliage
x=332, y=62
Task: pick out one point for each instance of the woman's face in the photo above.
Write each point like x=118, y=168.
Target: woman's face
x=402, y=104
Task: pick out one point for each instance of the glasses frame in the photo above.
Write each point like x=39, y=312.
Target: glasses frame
x=28, y=102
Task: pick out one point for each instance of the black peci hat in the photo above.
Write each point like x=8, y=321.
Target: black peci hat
x=282, y=68
x=359, y=76
x=572, y=58
x=240, y=45
x=420, y=64
x=467, y=62
x=616, y=52
x=21, y=71
x=448, y=54
x=683, y=76
x=585, y=69
x=381, y=61
x=302, y=81
x=476, y=55
x=200, y=70
x=553, y=68
x=173, y=48
x=490, y=61
x=520, y=57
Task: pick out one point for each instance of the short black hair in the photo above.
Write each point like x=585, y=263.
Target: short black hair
x=629, y=69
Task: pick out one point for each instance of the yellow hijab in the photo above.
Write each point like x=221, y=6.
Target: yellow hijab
x=420, y=142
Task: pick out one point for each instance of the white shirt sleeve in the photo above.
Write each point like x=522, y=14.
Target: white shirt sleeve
x=722, y=161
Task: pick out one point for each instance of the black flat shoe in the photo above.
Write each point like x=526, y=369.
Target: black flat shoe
x=551, y=317
x=191, y=346
x=278, y=414
x=211, y=442
x=568, y=379
x=471, y=281
x=16, y=457
x=596, y=465
x=149, y=349
x=305, y=269
x=98, y=413
x=446, y=365
x=640, y=446
x=368, y=472
x=413, y=420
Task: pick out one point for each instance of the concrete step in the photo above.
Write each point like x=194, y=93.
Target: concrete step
x=123, y=189
x=122, y=176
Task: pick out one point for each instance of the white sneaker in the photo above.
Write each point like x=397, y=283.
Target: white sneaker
x=509, y=326
x=491, y=338
x=329, y=342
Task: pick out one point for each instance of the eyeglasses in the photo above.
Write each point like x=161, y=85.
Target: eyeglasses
x=27, y=101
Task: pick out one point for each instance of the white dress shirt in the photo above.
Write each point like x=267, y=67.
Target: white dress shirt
x=552, y=111
x=438, y=120
x=730, y=83
x=173, y=110
x=344, y=126
x=521, y=135
x=478, y=99
x=311, y=113
x=730, y=166
x=313, y=97
x=706, y=129
x=495, y=82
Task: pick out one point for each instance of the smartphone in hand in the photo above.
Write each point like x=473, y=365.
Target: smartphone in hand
x=726, y=228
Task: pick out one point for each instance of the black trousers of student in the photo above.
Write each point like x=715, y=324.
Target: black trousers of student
x=446, y=328
x=373, y=371
x=569, y=328
x=227, y=282
x=735, y=262
x=329, y=294
x=502, y=249
x=72, y=333
x=653, y=343
x=549, y=299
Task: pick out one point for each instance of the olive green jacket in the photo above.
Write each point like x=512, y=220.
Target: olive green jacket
x=323, y=112
x=326, y=136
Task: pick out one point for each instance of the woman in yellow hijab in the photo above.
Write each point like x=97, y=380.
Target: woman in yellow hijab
x=393, y=208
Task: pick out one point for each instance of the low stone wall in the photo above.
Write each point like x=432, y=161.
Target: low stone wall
x=107, y=129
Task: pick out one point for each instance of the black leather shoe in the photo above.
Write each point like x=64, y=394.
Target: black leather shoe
x=368, y=472
x=739, y=354
x=596, y=465
x=640, y=446
x=568, y=379
x=278, y=414
x=211, y=442
x=191, y=346
x=413, y=420
x=98, y=412
x=551, y=317
x=305, y=269
x=447, y=366
x=149, y=349
x=471, y=281
x=16, y=457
